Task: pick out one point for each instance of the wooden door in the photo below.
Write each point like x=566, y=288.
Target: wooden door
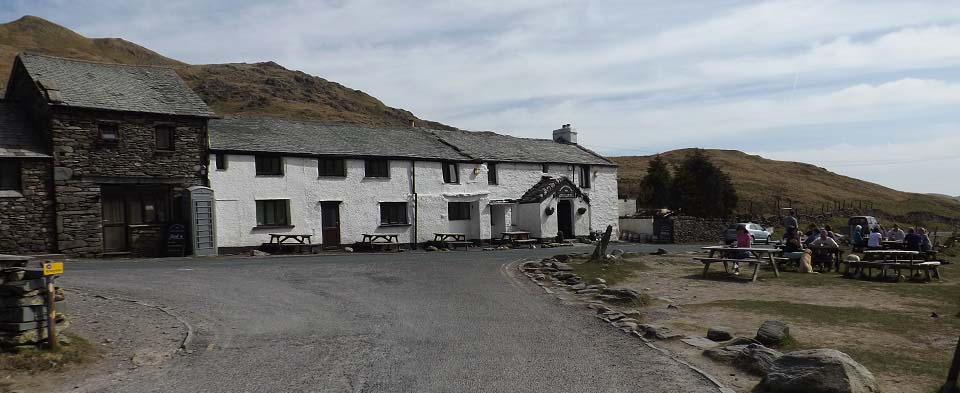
x=565, y=218
x=114, y=223
x=330, y=223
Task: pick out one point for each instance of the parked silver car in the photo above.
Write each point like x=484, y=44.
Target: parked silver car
x=759, y=234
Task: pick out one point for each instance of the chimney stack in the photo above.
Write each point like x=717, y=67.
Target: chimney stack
x=565, y=134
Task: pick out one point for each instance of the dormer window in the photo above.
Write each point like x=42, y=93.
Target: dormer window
x=109, y=131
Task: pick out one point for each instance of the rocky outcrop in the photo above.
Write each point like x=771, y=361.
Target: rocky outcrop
x=818, y=371
x=773, y=333
x=752, y=358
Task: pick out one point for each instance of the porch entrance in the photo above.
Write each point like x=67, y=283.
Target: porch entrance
x=330, y=223
x=565, y=218
x=124, y=206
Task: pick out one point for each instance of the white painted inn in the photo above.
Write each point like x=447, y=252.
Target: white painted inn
x=338, y=182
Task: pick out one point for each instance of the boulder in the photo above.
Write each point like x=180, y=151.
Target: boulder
x=743, y=341
x=617, y=253
x=348, y=249
x=562, y=258
x=659, y=251
x=588, y=292
x=773, y=333
x=574, y=280
x=657, y=332
x=598, y=287
x=432, y=248
x=719, y=333
x=531, y=265
x=563, y=267
x=598, y=280
x=818, y=371
x=258, y=253
x=752, y=358
x=577, y=287
x=622, y=293
x=563, y=275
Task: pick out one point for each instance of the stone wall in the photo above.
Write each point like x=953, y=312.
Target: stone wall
x=84, y=161
x=697, y=230
x=27, y=216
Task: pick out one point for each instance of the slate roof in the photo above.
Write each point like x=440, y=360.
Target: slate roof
x=547, y=187
x=490, y=146
x=16, y=134
x=265, y=135
x=131, y=88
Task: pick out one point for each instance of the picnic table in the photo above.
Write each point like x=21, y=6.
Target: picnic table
x=828, y=254
x=516, y=237
x=896, y=260
x=298, y=241
x=892, y=244
x=384, y=240
x=451, y=239
x=759, y=256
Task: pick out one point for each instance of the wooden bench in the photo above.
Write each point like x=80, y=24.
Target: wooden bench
x=889, y=264
x=453, y=245
x=529, y=242
x=727, y=261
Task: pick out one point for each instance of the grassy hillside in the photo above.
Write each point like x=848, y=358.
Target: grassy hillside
x=803, y=186
x=263, y=89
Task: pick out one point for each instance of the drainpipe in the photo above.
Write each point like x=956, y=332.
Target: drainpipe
x=416, y=200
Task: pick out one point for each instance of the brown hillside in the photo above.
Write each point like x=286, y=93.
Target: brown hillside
x=806, y=186
x=263, y=89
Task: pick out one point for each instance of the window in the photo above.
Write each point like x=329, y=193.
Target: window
x=273, y=212
x=10, y=175
x=393, y=213
x=165, y=137
x=269, y=165
x=458, y=210
x=332, y=167
x=110, y=132
x=584, y=176
x=492, y=173
x=376, y=168
x=450, y=173
x=545, y=168
x=221, y=161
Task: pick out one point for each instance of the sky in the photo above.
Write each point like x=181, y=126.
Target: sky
x=868, y=89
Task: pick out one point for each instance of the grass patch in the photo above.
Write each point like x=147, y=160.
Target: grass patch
x=886, y=320
x=613, y=272
x=35, y=360
x=920, y=359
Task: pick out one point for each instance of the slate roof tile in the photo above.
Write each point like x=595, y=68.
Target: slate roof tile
x=317, y=138
x=119, y=87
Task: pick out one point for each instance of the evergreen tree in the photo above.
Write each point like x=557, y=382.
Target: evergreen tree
x=655, y=188
x=701, y=189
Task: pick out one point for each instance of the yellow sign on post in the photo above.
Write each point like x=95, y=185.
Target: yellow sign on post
x=52, y=268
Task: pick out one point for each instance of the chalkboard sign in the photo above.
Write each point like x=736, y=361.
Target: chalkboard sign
x=176, y=240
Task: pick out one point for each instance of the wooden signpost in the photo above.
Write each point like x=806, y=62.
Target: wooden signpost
x=51, y=269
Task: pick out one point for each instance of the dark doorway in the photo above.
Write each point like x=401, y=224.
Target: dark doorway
x=565, y=218
x=330, y=223
x=114, y=223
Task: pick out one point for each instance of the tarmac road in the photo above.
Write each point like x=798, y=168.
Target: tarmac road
x=398, y=322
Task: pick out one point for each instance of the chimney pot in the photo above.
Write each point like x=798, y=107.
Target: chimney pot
x=565, y=134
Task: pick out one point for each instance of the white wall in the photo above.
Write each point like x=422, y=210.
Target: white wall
x=627, y=207
x=237, y=188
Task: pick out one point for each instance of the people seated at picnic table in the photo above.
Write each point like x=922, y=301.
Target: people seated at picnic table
x=830, y=232
x=925, y=244
x=792, y=248
x=912, y=240
x=744, y=240
x=812, y=234
x=875, y=241
x=856, y=238
x=896, y=234
x=824, y=240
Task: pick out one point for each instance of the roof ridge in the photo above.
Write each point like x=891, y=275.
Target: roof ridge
x=499, y=134
x=27, y=53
